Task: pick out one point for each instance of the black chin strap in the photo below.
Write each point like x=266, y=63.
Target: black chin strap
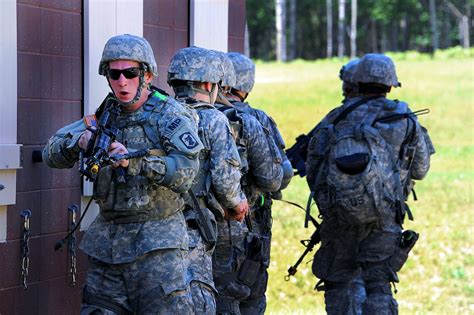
x=234, y=93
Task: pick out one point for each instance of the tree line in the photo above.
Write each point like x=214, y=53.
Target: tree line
x=310, y=29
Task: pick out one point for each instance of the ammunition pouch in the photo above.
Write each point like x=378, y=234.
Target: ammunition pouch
x=249, y=272
x=323, y=260
x=407, y=241
x=258, y=256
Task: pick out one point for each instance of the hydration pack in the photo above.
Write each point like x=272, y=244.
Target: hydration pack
x=358, y=174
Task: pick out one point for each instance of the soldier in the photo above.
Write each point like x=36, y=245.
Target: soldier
x=260, y=212
x=349, y=87
x=194, y=74
x=361, y=162
x=241, y=256
x=138, y=243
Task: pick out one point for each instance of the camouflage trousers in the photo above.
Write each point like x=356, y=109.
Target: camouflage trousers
x=354, y=264
x=203, y=298
x=153, y=284
x=200, y=274
x=258, y=250
x=227, y=260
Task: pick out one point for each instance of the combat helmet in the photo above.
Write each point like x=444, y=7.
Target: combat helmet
x=129, y=47
x=195, y=64
x=229, y=79
x=349, y=86
x=347, y=71
x=376, y=68
x=244, y=71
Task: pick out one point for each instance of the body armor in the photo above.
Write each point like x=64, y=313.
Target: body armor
x=137, y=200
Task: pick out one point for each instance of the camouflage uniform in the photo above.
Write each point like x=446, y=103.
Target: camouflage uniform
x=138, y=242
x=355, y=261
x=217, y=184
x=241, y=256
x=260, y=212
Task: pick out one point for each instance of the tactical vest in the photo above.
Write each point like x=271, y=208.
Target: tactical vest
x=202, y=185
x=139, y=199
x=203, y=181
x=270, y=126
x=237, y=126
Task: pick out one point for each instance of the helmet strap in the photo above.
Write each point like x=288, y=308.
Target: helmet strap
x=235, y=93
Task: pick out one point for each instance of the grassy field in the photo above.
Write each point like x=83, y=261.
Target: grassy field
x=439, y=276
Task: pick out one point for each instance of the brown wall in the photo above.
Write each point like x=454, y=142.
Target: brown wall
x=166, y=27
x=49, y=96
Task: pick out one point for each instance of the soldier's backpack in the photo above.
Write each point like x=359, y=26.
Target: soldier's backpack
x=358, y=176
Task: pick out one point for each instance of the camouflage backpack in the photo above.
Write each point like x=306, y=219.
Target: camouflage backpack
x=358, y=178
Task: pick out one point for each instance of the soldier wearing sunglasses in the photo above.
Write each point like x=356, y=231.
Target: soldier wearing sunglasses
x=137, y=244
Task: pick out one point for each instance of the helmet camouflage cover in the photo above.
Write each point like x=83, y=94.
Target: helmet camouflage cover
x=229, y=79
x=244, y=71
x=195, y=64
x=347, y=71
x=128, y=47
x=376, y=68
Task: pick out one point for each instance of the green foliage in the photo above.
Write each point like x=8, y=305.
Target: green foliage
x=382, y=25
x=439, y=274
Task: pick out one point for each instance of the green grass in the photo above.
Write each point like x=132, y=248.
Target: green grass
x=439, y=276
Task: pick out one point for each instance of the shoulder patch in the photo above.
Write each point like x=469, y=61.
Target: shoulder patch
x=188, y=140
x=174, y=125
x=90, y=121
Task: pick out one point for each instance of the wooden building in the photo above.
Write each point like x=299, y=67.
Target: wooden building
x=50, y=52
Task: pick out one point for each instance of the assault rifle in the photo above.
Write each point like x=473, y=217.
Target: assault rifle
x=298, y=152
x=96, y=155
x=314, y=240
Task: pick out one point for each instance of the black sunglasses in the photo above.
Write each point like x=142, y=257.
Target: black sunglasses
x=128, y=73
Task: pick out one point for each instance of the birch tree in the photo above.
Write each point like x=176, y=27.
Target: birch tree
x=329, y=28
x=434, y=25
x=340, y=32
x=280, y=21
x=292, y=44
x=463, y=23
x=353, y=28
